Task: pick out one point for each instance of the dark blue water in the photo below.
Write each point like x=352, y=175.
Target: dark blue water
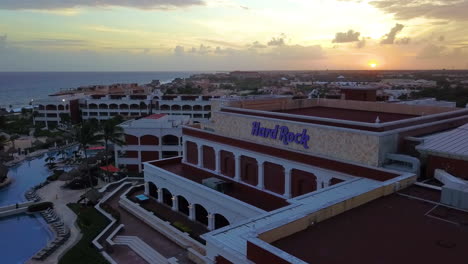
x=21, y=236
x=25, y=175
x=18, y=88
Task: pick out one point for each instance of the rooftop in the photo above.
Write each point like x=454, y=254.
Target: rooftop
x=388, y=230
x=358, y=115
x=453, y=143
x=157, y=121
x=242, y=192
x=348, y=114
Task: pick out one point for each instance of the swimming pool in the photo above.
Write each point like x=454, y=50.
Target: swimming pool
x=23, y=235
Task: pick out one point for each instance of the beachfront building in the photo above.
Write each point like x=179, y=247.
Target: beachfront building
x=128, y=101
x=104, y=107
x=55, y=110
x=273, y=181
x=154, y=137
x=195, y=106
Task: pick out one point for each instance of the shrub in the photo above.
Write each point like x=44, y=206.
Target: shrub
x=40, y=207
x=182, y=227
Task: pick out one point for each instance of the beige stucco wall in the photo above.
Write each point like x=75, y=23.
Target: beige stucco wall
x=330, y=142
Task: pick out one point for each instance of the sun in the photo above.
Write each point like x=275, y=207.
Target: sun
x=373, y=64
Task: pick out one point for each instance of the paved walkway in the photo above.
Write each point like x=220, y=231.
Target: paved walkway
x=135, y=227
x=61, y=197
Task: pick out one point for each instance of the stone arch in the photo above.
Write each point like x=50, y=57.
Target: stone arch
x=201, y=214
x=61, y=107
x=149, y=140
x=207, y=108
x=51, y=107
x=220, y=221
x=165, y=107
x=187, y=108
x=197, y=108
x=92, y=106
x=113, y=106
x=227, y=163
x=170, y=140
x=123, y=106
x=152, y=190
x=175, y=107
x=167, y=197
x=183, y=205
x=192, y=152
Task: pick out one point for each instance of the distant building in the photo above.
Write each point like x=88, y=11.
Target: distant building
x=429, y=102
x=245, y=74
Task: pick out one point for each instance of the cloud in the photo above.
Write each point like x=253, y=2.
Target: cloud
x=3, y=40
x=343, y=37
x=277, y=41
x=298, y=52
x=257, y=45
x=66, y=4
x=441, y=38
x=48, y=42
x=408, y=9
x=432, y=51
x=179, y=51
x=391, y=36
x=403, y=41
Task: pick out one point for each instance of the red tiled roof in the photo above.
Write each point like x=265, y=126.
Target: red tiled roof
x=155, y=116
x=110, y=168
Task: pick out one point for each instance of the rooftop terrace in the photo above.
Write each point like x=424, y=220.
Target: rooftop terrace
x=392, y=229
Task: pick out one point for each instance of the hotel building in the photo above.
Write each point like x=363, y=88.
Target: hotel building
x=131, y=102
x=157, y=136
x=266, y=176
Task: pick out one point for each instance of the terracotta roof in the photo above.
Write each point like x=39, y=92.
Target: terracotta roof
x=155, y=116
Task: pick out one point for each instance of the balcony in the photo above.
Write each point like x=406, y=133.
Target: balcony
x=241, y=192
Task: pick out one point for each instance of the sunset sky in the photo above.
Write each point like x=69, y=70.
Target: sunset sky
x=207, y=35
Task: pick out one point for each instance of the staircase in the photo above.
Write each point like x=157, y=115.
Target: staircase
x=142, y=249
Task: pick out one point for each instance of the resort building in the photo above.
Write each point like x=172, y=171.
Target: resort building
x=132, y=102
x=271, y=179
x=157, y=136
x=56, y=109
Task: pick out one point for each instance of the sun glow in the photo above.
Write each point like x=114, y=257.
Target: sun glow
x=373, y=64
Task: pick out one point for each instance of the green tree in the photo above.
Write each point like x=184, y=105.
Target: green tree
x=111, y=133
x=86, y=135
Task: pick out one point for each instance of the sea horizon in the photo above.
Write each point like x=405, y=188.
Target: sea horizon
x=19, y=88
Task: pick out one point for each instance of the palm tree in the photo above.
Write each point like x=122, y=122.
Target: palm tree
x=85, y=134
x=111, y=133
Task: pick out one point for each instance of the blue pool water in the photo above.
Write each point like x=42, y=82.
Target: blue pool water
x=21, y=236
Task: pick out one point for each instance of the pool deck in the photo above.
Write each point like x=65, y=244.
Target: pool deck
x=61, y=197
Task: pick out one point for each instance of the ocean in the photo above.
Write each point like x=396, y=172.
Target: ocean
x=18, y=88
